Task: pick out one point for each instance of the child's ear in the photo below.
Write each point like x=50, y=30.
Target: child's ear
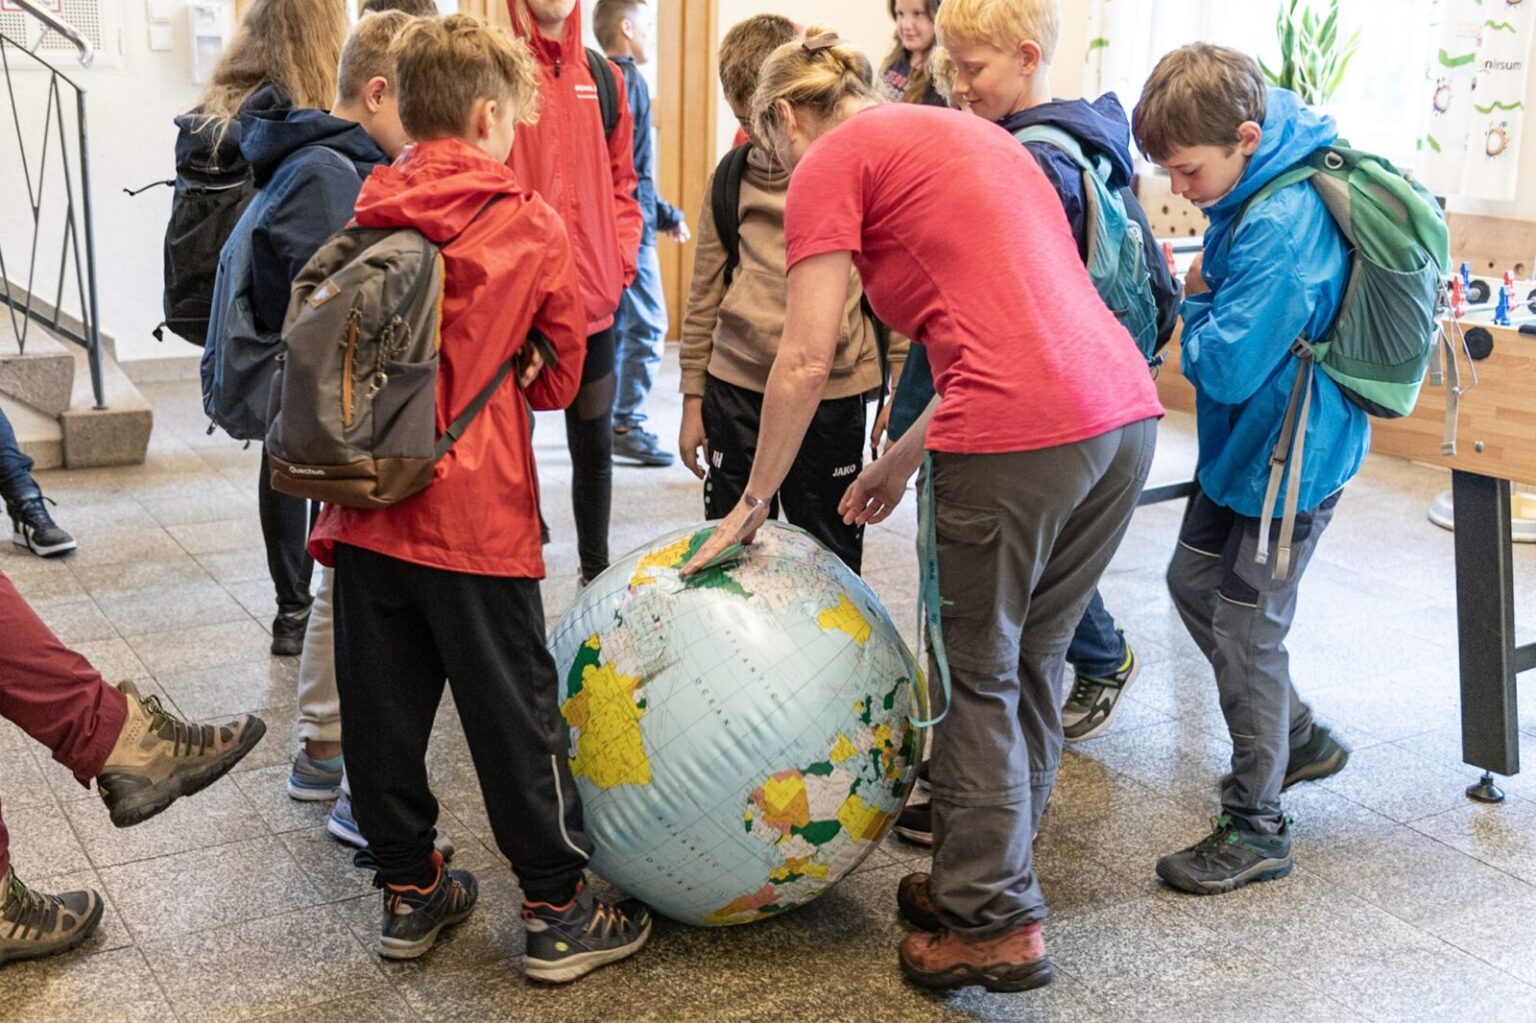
x=1029, y=57
x=628, y=28
x=485, y=119
x=1249, y=135
x=374, y=93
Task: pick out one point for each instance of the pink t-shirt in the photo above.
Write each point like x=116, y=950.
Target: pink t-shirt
x=963, y=246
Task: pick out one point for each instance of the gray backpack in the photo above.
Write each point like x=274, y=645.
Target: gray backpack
x=354, y=404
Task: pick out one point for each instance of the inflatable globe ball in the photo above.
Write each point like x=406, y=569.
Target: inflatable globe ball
x=742, y=739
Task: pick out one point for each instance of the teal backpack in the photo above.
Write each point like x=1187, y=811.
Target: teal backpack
x=1117, y=261
x=1379, y=348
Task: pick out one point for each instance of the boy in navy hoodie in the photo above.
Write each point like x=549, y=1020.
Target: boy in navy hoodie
x=309, y=166
x=1273, y=271
x=623, y=27
x=1001, y=51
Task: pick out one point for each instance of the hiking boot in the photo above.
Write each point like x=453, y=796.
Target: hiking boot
x=915, y=903
x=915, y=823
x=1015, y=961
x=33, y=925
x=1321, y=756
x=33, y=529
x=1094, y=699
x=159, y=758
x=342, y=826
x=1228, y=858
x=314, y=781
x=288, y=633
x=570, y=941
x=414, y=917
x=640, y=446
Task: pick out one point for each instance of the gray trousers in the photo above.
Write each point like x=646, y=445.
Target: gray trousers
x=1239, y=615
x=1022, y=541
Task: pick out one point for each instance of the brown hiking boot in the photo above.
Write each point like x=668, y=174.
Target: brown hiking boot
x=33, y=925
x=915, y=903
x=159, y=758
x=1015, y=961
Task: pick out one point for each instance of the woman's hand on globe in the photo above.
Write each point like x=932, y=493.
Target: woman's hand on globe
x=739, y=527
x=874, y=493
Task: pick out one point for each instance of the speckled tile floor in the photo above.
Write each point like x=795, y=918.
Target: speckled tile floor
x=1408, y=902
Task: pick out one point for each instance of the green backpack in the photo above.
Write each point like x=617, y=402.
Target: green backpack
x=1379, y=347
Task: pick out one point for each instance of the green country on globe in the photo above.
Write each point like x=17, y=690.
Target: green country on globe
x=743, y=738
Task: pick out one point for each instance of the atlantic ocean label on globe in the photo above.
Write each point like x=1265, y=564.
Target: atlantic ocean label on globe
x=742, y=739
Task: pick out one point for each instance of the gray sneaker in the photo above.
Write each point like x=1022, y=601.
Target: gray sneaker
x=568, y=942
x=413, y=918
x=33, y=925
x=342, y=826
x=1087, y=711
x=310, y=781
x=158, y=757
x=1230, y=857
x=640, y=446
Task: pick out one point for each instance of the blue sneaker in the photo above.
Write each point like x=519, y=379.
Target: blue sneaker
x=314, y=781
x=568, y=942
x=342, y=826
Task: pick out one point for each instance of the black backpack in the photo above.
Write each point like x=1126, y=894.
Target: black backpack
x=607, y=90
x=203, y=215
x=725, y=205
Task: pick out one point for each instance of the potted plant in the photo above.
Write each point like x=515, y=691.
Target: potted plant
x=1312, y=58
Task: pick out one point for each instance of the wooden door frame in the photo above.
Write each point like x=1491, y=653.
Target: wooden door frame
x=686, y=84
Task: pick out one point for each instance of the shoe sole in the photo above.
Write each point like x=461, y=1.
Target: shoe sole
x=313, y=793
x=577, y=966
x=394, y=948
x=73, y=942
x=1018, y=977
x=1319, y=769
x=53, y=551
x=154, y=801
x=1268, y=870
x=1098, y=729
x=345, y=836
x=646, y=463
x=922, y=838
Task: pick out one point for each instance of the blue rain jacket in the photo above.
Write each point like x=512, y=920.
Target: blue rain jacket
x=1278, y=276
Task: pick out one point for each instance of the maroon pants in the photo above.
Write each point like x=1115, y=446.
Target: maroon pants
x=54, y=695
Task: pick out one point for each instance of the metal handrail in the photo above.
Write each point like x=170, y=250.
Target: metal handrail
x=62, y=28
x=79, y=236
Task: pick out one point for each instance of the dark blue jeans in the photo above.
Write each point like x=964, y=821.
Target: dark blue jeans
x=15, y=467
x=1097, y=648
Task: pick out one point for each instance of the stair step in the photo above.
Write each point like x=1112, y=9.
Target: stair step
x=116, y=435
x=44, y=376
x=41, y=437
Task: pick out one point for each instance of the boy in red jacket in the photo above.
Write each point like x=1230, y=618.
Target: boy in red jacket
x=590, y=181
x=445, y=584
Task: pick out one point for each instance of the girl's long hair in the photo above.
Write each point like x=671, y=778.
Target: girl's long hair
x=920, y=75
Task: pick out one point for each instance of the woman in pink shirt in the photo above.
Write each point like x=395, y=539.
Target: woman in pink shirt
x=1037, y=447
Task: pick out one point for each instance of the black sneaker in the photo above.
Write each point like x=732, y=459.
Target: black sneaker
x=33, y=529
x=413, y=918
x=288, y=633
x=570, y=941
x=1228, y=858
x=915, y=823
x=1094, y=698
x=33, y=925
x=1322, y=756
x=640, y=446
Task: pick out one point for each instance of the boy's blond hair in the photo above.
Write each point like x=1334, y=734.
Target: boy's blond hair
x=444, y=65
x=1198, y=95
x=415, y=8
x=746, y=48
x=1002, y=23
x=367, y=54
x=817, y=74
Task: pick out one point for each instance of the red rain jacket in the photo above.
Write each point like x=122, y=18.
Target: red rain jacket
x=508, y=270
x=589, y=180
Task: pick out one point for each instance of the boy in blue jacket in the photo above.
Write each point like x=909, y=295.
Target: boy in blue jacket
x=623, y=27
x=1272, y=272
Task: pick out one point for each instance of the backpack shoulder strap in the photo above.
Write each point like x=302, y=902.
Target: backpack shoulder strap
x=1059, y=139
x=1285, y=179
x=607, y=90
x=725, y=204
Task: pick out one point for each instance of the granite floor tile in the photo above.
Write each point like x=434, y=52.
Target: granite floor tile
x=236, y=566
x=1176, y=757
x=1398, y=784
x=114, y=659
x=218, y=815
x=39, y=580
x=204, y=646
x=112, y=987
x=42, y=844
x=240, y=532
x=205, y=694
x=75, y=620
x=278, y=964
x=220, y=504
x=267, y=790
x=1234, y=983
x=278, y=746
x=135, y=612
x=1135, y=939
x=1502, y=835
x=384, y=1006
x=103, y=547
x=1502, y=934
x=172, y=570
x=196, y=891
x=21, y=774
